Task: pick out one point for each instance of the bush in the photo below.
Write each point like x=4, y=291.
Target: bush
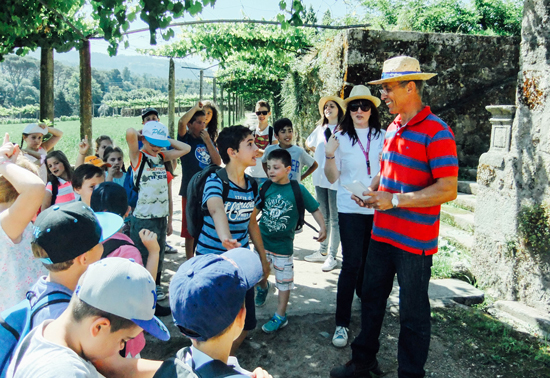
x=533, y=223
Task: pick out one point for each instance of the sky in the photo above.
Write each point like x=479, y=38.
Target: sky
x=228, y=9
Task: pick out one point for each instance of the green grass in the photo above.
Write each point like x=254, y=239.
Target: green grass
x=115, y=127
x=446, y=256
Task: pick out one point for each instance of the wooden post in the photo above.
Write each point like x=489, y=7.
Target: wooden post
x=171, y=97
x=86, y=92
x=221, y=105
x=46, y=84
x=214, y=89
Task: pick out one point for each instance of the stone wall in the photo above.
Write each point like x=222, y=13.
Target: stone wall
x=515, y=173
x=473, y=71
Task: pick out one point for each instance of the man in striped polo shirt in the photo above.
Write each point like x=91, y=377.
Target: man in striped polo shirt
x=419, y=169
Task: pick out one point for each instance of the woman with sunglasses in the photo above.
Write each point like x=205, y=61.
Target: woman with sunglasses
x=353, y=158
x=331, y=109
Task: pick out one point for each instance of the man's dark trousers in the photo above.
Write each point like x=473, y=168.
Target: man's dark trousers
x=413, y=274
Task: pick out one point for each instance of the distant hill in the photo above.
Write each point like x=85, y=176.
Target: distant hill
x=137, y=64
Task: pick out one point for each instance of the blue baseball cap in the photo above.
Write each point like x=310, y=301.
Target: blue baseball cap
x=208, y=291
x=156, y=134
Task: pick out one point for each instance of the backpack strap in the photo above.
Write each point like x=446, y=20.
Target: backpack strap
x=144, y=160
x=263, y=191
x=299, y=203
x=270, y=132
x=52, y=298
x=55, y=190
x=111, y=245
x=9, y=328
x=222, y=174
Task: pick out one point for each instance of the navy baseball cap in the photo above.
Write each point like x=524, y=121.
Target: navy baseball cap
x=145, y=112
x=208, y=291
x=68, y=231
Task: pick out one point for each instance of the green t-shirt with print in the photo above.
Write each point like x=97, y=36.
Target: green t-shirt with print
x=280, y=217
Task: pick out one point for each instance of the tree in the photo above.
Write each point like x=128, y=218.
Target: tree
x=15, y=70
x=62, y=107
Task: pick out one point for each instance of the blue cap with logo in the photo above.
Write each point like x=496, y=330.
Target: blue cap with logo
x=208, y=291
x=156, y=134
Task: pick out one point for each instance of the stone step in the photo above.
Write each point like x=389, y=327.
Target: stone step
x=465, y=201
x=468, y=187
x=519, y=314
x=463, y=238
x=459, y=218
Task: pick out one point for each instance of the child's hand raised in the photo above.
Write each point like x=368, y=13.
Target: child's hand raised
x=8, y=151
x=149, y=240
x=198, y=106
x=84, y=146
x=204, y=135
x=230, y=244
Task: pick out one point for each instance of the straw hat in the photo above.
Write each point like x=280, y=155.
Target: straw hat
x=360, y=92
x=326, y=99
x=402, y=68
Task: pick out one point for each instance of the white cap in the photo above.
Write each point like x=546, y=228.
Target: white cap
x=123, y=288
x=34, y=128
x=156, y=133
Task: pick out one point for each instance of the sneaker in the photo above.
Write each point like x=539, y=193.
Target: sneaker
x=329, y=264
x=277, y=322
x=355, y=370
x=160, y=294
x=340, y=338
x=261, y=295
x=316, y=257
x=169, y=249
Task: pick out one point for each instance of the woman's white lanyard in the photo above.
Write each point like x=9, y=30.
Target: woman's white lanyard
x=366, y=153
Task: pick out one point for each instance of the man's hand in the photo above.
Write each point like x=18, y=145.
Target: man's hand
x=230, y=244
x=377, y=200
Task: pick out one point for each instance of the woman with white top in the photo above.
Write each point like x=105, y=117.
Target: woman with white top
x=353, y=156
x=332, y=110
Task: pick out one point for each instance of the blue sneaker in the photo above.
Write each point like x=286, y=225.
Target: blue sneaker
x=261, y=295
x=277, y=322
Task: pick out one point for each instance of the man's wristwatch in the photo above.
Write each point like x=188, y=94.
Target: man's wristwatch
x=394, y=200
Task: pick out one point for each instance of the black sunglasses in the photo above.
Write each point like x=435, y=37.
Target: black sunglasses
x=263, y=112
x=364, y=106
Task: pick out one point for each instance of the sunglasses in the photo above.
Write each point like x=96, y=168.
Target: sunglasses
x=263, y=112
x=365, y=107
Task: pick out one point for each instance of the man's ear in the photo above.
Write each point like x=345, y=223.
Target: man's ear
x=100, y=324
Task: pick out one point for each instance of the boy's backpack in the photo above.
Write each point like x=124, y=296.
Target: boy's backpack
x=132, y=190
x=297, y=197
x=194, y=210
x=16, y=322
x=176, y=367
x=111, y=245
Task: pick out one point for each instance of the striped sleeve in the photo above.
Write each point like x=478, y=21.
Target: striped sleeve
x=212, y=188
x=442, y=156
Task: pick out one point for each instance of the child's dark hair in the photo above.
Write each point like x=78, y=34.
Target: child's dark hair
x=347, y=126
x=281, y=124
x=231, y=137
x=85, y=172
x=282, y=155
x=212, y=126
x=59, y=155
x=324, y=120
x=81, y=310
x=100, y=139
x=197, y=114
x=41, y=253
x=263, y=104
x=109, y=150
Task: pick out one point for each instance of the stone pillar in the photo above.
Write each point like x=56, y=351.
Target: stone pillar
x=515, y=173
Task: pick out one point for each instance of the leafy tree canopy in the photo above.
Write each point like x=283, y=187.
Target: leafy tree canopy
x=490, y=17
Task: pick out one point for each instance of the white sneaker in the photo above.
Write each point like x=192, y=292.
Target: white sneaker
x=316, y=257
x=329, y=264
x=340, y=338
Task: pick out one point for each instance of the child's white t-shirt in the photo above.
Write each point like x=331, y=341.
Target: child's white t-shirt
x=318, y=140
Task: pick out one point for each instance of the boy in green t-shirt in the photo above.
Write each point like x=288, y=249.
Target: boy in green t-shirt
x=278, y=225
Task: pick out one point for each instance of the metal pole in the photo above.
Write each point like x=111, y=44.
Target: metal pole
x=214, y=88
x=171, y=97
x=200, y=90
x=221, y=105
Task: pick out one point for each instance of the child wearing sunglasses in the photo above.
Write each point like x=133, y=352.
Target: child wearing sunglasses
x=263, y=137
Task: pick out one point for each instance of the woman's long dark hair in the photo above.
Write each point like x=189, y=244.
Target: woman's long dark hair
x=347, y=126
x=324, y=121
x=59, y=155
x=212, y=127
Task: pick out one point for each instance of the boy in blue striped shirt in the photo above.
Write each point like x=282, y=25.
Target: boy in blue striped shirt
x=229, y=222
